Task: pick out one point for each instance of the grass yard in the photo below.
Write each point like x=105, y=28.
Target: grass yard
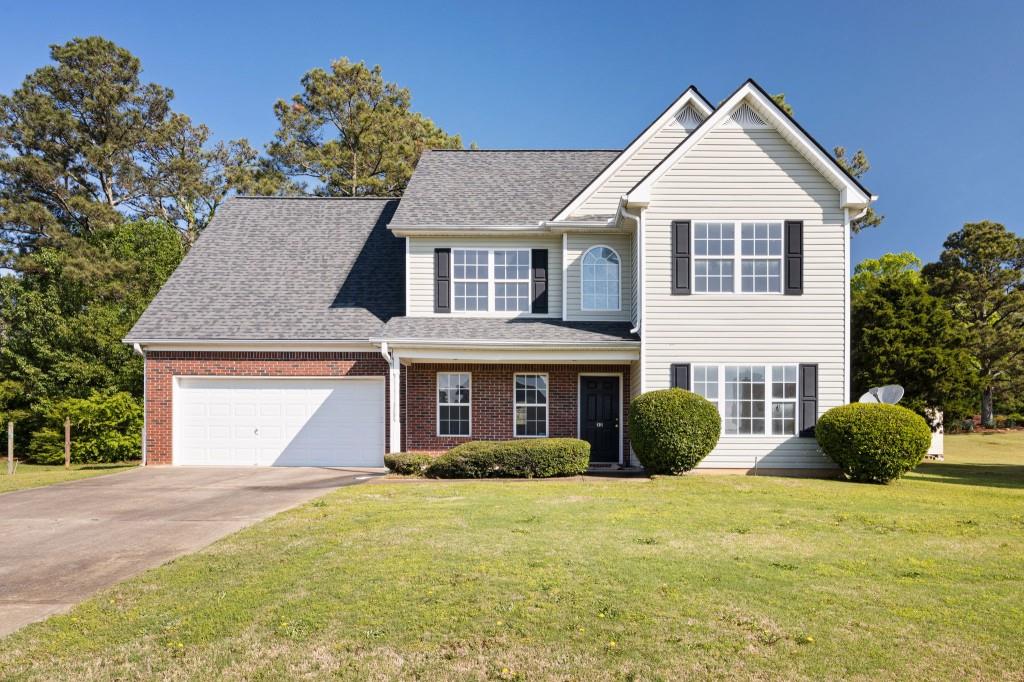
x=711, y=576
x=37, y=475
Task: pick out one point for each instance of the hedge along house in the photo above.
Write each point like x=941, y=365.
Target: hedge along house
x=519, y=294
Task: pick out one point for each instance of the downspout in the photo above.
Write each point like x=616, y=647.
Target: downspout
x=639, y=265
x=565, y=276
x=145, y=406
x=847, y=305
x=394, y=397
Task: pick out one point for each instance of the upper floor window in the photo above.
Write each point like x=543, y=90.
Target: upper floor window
x=600, y=279
x=486, y=281
x=512, y=280
x=758, y=260
x=471, y=279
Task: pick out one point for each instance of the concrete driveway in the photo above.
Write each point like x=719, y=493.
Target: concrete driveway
x=62, y=543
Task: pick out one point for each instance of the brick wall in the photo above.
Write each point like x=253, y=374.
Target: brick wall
x=163, y=366
x=493, y=401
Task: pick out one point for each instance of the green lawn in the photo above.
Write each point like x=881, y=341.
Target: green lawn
x=711, y=576
x=36, y=475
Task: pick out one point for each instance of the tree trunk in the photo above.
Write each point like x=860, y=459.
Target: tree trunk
x=987, y=418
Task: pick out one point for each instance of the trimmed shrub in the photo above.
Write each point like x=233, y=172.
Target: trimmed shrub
x=408, y=463
x=873, y=442
x=105, y=427
x=527, y=458
x=672, y=430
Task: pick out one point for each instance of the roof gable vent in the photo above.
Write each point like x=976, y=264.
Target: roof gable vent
x=687, y=118
x=745, y=118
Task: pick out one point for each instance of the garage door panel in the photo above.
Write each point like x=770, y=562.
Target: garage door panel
x=280, y=422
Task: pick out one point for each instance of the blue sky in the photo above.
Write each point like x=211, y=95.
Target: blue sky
x=932, y=91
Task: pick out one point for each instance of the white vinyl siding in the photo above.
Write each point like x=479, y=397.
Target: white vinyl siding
x=605, y=200
x=578, y=245
x=420, y=268
x=749, y=175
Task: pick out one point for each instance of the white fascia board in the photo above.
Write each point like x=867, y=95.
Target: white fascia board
x=362, y=346
x=411, y=355
x=422, y=230
x=690, y=96
x=504, y=344
x=851, y=195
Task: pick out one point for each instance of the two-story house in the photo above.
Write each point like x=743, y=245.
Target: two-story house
x=520, y=294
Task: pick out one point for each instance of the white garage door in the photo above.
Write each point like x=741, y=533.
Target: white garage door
x=279, y=422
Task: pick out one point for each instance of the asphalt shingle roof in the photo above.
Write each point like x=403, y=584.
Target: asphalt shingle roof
x=284, y=269
x=457, y=328
x=496, y=187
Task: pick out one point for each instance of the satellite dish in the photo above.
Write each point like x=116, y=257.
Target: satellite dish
x=890, y=394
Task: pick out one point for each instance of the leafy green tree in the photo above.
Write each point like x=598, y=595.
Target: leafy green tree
x=62, y=319
x=352, y=133
x=106, y=426
x=901, y=334
x=980, y=276
x=856, y=165
x=84, y=143
x=889, y=266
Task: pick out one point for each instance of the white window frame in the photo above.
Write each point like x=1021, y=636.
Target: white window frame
x=547, y=405
x=583, y=283
x=769, y=401
x=738, y=257
x=438, y=404
x=488, y=281
x=491, y=282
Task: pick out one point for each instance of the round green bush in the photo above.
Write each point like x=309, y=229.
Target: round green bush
x=672, y=430
x=873, y=442
x=527, y=458
x=408, y=463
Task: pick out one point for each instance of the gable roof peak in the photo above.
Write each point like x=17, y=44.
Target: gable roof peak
x=691, y=98
x=765, y=111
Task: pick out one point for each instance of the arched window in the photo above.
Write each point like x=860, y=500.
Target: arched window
x=600, y=280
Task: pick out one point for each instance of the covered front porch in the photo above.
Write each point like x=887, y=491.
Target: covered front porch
x=447, y=391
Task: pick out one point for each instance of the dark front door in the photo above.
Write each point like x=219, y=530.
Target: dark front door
x=599, y=417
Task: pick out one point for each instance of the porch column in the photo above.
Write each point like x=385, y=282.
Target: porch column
x=394, y=384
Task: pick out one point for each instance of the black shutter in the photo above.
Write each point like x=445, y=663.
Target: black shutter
x=681, y=257
x=794, y=249
x=808, y=379
x=680, y=377
x=539, y=265
x=442, y=280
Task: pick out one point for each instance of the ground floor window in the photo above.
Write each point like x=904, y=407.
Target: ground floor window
x=531, y=404
x=752, y=399
x=454, y=403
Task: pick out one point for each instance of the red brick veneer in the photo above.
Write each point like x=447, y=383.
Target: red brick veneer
x=163, y=366
x=492, y=401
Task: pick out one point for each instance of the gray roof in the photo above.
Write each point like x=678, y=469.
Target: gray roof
x=457, y=328
x=284, y=269
x=513, y=187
